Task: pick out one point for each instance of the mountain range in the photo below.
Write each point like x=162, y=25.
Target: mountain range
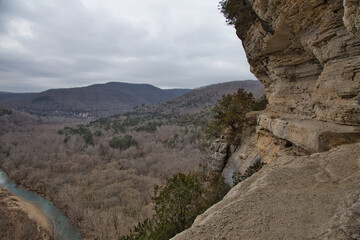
x=204, y=98
x=116, y=97
x=94, y=100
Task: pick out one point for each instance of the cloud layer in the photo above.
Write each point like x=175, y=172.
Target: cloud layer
x=71, y=43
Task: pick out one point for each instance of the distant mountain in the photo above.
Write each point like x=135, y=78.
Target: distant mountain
x=94, y=100
x=206, y=97
x=7, y=96
x=178, y=91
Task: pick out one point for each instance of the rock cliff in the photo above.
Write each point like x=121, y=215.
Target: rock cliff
x=291, y=198
x=307, y=55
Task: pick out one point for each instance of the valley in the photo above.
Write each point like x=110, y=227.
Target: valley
x=133, y=161
x=102, y=172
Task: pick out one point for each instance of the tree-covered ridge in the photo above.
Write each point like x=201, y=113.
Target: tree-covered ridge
x=96, y=100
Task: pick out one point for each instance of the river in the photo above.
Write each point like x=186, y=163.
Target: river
x=60, y=222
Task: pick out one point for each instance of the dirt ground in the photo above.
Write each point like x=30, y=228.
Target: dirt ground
x=20, y=218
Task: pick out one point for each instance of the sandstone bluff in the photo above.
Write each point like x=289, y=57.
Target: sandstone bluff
x=307, y=55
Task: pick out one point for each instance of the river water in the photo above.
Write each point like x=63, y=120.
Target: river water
x=60, y=222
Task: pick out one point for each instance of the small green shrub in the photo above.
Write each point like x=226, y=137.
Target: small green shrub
x=83, y=131
x=130, y=122
x=238, y=177
x=88, y=137
x=123, y=143
x=6, y=112
x=97, y=133
x=107, y=126
x=118, y=126
x=151, y=127
x=260, y=104
x=66, y=139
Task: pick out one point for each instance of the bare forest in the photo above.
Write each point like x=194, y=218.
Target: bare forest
x=103, y=185
x=102, y=172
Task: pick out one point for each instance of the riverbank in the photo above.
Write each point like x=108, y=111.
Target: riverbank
x=22, y=218
x=60, y=223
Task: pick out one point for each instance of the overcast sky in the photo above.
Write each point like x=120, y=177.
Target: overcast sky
x=70, y=43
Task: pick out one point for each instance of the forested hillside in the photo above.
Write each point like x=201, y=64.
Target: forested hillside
x=102, y=173
x=92, y=101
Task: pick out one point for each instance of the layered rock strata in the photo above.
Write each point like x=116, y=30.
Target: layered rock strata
x=312, y=135
x=307, y=55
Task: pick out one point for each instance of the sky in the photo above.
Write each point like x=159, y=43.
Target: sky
x=71, y=43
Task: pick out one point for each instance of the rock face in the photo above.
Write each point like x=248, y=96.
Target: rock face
x=352, y=17
x=307, y=55
x=312, y=135
x=316, y=197
x=218, y=159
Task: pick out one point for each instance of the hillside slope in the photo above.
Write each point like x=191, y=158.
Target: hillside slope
x=94, y=100
x=205, y=98
x=7, y=97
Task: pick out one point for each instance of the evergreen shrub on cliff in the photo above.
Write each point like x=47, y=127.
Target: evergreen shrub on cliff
x=229, y=113
x=260, y=104
x=238, y=177
x=178, y=203
x=230, y=8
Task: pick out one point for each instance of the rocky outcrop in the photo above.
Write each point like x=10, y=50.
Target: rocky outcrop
x=298, y=197
x=312, y=135
x=352, y=17
x=307, y=55
x=309, y=59
x=257, y=145
x=220, y=154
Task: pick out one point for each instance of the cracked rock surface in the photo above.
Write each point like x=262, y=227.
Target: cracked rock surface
x=316, y=197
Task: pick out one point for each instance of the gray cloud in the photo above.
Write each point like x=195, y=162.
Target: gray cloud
x=68, y=43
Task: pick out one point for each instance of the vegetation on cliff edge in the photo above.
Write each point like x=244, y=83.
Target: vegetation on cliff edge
x=229, y=114
x=178, y=203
